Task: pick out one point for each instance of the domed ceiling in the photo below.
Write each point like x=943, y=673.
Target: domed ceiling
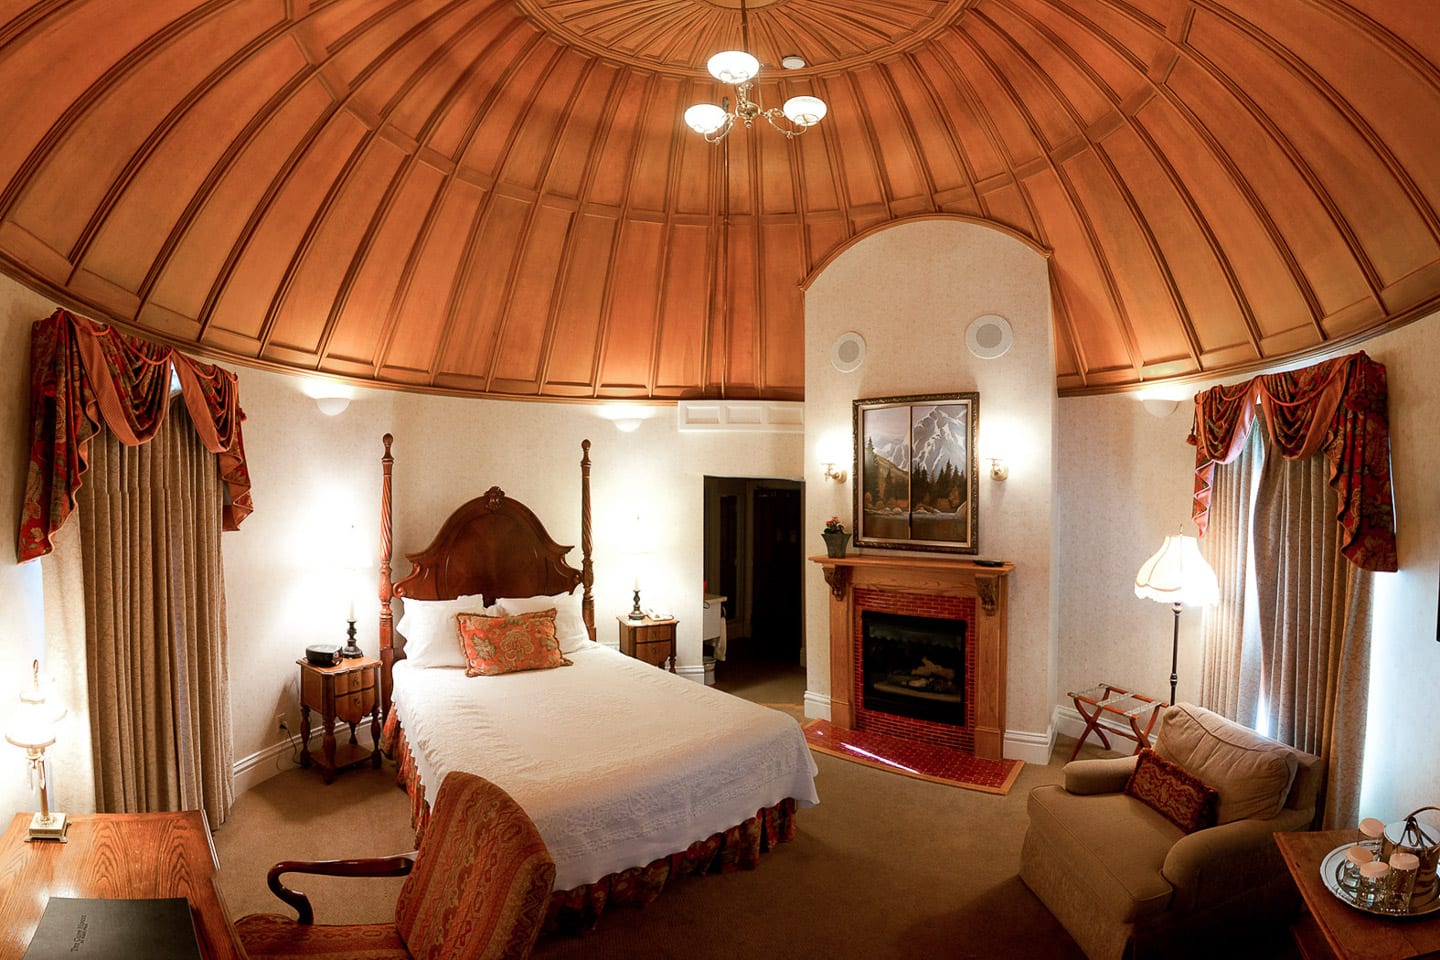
x=500, y=197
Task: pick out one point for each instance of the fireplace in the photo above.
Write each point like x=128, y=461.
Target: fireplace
x=913, y=667
x=937, y=615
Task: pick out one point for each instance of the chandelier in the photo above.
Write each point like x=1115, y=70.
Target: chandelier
x=738, y=68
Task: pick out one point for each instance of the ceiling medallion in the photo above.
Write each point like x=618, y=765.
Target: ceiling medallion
x=989, y=336
x=847, y=353
x=739, y=68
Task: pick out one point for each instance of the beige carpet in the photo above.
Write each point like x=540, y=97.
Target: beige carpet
x=885, y=867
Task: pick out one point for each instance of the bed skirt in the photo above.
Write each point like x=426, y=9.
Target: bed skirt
x=579, y=909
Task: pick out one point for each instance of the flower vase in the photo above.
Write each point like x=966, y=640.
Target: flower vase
x=835, y=543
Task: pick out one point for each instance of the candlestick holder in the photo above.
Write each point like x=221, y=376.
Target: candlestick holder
x=351, y=651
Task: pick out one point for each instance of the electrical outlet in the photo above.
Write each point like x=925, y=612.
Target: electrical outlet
x=280, y=723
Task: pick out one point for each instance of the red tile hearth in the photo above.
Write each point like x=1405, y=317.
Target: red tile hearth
x=912, y=758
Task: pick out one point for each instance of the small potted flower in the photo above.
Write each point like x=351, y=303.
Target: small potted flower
x=836, y=537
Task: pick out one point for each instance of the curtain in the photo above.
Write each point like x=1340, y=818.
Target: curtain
x=86, y=375
x=156, y=649
x=1315, y=610
x=1339, y=408
x=1229, y=673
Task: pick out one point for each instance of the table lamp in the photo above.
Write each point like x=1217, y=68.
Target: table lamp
x=33, y=729
x=1177, y=574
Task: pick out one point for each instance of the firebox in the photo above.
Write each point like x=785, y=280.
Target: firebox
x=914, y=666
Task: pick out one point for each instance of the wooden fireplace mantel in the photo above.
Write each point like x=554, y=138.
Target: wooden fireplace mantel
x=927, y=576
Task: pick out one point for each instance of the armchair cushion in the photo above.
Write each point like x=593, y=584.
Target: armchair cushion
x=280, y=938
x=1251, y=773
x=1168, y=789
x=1112, y=843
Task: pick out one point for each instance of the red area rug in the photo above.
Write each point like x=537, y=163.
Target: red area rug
x=913, y=759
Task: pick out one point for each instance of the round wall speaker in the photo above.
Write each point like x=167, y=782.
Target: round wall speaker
x=847, y=352
x=989, y=336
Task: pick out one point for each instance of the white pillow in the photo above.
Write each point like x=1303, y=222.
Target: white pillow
x=569, y=623
x=432, y=638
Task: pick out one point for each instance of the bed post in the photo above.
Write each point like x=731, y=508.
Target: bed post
x=587, y=568
x=387, y=638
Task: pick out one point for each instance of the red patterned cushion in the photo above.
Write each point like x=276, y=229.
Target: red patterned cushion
x=280, y=938
x=1179, y=796
x=495, y=645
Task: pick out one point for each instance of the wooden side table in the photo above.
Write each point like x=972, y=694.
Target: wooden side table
x=650, y=640
x=1331, y=929
x=348, y=691
x=114, y=855
x=1108, y=698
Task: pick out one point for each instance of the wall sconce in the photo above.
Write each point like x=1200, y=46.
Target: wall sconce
x=627, y=417
x=999, y=469
x=330, y=397
x=832, y=449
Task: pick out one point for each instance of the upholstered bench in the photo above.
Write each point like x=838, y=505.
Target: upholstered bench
x=1117, y=868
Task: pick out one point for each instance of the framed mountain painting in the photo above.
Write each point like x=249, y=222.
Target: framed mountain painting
x=916, y=486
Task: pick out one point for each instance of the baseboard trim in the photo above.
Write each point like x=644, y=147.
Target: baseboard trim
x=251, y=771
x=691, y=671
x=817, y=706
x=1030, y=746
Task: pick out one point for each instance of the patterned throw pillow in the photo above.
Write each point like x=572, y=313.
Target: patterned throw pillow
x=496, y=645
x=1168, y=789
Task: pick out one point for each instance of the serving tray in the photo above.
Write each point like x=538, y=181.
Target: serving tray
x=1330, y=868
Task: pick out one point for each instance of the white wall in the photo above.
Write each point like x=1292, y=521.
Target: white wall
x=911, y=290
x=1121, y=482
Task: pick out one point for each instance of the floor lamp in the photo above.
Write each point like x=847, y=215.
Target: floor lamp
x=1178, y=575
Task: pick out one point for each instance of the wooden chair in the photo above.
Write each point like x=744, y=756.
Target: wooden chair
x=477, y=889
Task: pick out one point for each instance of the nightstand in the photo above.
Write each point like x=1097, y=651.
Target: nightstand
x=650, y=640
x=348, y=691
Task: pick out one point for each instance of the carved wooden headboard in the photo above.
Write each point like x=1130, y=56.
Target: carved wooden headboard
x=492, y=545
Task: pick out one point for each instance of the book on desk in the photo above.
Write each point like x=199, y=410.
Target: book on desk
x=104, y=929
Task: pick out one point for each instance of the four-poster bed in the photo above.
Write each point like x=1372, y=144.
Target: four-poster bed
x=630, y=773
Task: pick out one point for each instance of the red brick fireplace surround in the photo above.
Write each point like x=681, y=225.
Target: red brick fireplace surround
x=927, y=586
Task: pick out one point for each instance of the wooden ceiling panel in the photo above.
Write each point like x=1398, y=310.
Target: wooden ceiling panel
x=216, y=219
x=477, y=316
x=498, y=196
x=783, y=342
x=301, y=316
x=1288, y=201
x=1147, y=301
x=630, y=331
x=278, y=236
x=162, y=180
x=684, y=309
x=1187, y=250
x=736, y=357
x=428, y=289
x=1380, y=222
x=528, y=337
x=365, y=312
x=1041, y=105
x=573, y=357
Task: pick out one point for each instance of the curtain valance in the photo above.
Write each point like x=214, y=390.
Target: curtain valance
x=1339, y=407
x=85, y=375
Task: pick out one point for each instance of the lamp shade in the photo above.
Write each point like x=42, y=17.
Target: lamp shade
x=1177, y=573
x=705, y=118
x=33, y=726
x=733, y=66
x=805, y=110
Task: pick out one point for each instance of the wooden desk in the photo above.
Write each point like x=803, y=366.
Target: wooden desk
x=1342, y=930
x=132, y=855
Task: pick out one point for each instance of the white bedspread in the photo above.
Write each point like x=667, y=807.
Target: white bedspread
x=617, y=763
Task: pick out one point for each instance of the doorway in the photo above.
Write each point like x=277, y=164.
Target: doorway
x=753, y=558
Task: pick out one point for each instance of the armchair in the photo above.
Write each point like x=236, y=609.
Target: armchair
x=1126, y=881
x=477, y=889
